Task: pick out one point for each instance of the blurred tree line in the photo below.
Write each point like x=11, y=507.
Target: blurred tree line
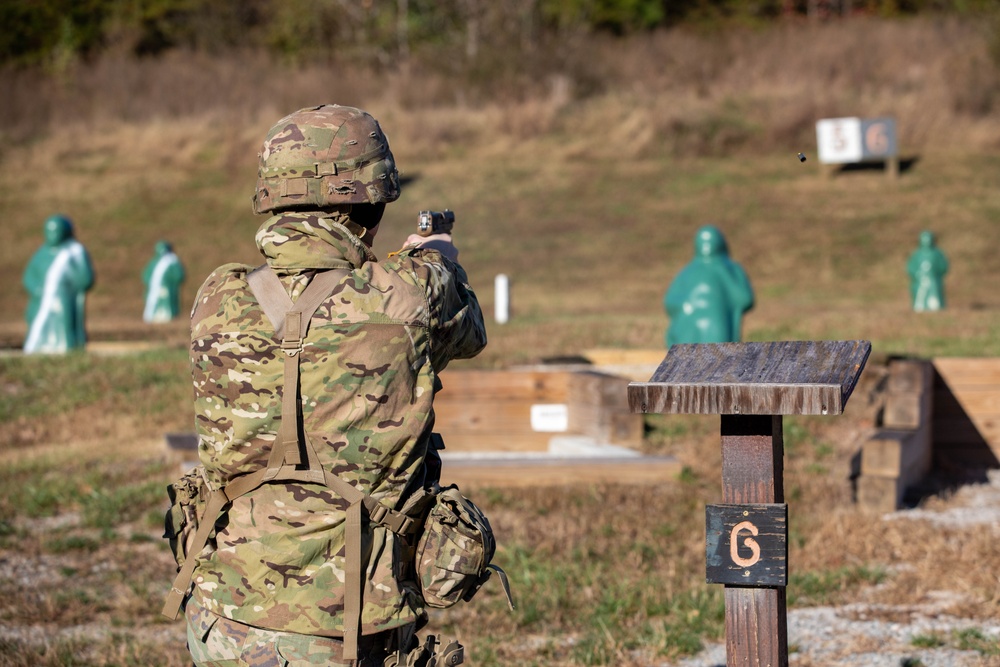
x=50, y=32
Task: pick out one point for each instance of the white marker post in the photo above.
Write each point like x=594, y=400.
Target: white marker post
x=501, y=298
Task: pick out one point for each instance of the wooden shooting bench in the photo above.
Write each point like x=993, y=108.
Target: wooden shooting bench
x=752, y=385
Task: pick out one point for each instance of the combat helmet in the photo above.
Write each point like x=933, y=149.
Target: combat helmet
x=323, y=156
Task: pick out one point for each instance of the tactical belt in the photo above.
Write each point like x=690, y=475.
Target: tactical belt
x=291, y=322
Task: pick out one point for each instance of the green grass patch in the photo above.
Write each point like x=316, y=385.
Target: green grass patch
x=72, y=543
x=41, y=386
x=829, y=586
x=932, y=640
x=106, y=493
x=973, y=639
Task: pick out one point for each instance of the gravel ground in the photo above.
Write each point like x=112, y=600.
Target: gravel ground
x=856, y=635
x=845, y=637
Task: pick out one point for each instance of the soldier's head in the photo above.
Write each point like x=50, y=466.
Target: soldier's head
x=329, y=157
x=709, y=242
x=58, y=228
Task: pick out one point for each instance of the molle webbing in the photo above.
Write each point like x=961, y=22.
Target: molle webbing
x=321, y=169
x=291, y=322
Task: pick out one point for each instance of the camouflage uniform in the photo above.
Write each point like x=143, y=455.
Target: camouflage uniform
x=215, y=641
x=369, y=367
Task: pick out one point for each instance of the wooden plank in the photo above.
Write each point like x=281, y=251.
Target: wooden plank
x=498, y=406
x=508, y=427
x=906, y=411
x=961, y=429
x=752, y=472
x=598, y=390
x=946, y=407
x=530, y=386
x=965, y=456
x=966, y=428
x=598, y=407
x=607, y=427
x=907, y=376
x=560, y=472
x=750, y=636
x=618, y=357
x=879, y=494
x=979, y=402
x=479, y=411
x=483, y=416
x=897, y=453
x=778, y=378
x=967, y=412
x=909, y=395
x=968, y=371
x=484, y=441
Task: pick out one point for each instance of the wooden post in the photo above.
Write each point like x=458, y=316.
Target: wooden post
x=752, y=472
x=751, y=385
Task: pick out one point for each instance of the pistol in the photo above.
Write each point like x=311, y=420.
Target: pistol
x=435, y=222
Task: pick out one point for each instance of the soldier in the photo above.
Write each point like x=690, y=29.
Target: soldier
x=162, y=276
x=707, y=299
x=927, y=267
x=277, y=588
x=57, y=279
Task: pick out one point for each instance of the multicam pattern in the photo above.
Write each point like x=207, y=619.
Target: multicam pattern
x=368, y=369
x=219, y=642
x=325, y=155
x=455, y=548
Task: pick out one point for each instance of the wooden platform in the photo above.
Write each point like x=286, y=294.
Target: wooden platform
x=938, y=417
x=773, y=378
x=966, y=425
x=558, y=471
x=522, y=410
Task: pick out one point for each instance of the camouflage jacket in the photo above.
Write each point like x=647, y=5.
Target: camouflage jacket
x=368, y=372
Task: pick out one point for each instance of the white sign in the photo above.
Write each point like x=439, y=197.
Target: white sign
x=838, y=140
x=549, y=418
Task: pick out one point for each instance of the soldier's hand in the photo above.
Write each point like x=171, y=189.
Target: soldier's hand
x=440, y=242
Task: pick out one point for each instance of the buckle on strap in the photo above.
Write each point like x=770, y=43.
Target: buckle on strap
x=291, y=347
x=377, y=514
x=395, y=521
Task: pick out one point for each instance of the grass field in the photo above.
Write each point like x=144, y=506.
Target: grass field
x=590, y=206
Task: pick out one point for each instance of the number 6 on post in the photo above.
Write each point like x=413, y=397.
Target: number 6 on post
x=746, y=545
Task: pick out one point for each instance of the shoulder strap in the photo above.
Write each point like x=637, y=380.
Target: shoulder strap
x=271, y=295
x=291, y=322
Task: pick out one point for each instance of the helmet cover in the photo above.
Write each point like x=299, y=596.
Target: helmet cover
x=325, y=156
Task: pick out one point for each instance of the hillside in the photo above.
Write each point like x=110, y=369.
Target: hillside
x=588, y=199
